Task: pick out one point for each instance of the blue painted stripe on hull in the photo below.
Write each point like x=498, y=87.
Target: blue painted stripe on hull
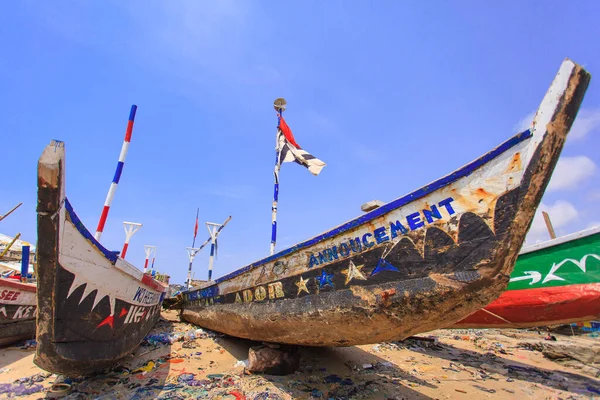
x=111, y=256
x=417, y=194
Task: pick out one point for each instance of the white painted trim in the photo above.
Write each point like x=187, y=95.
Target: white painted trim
x=560, y=240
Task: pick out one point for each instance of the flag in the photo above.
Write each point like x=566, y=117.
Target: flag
x=196, y=228
x=290, y=151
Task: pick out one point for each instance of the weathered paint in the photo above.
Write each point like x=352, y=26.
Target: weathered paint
x=17, y=311
x=445, y=263
x=94, y=307
x=554, y=282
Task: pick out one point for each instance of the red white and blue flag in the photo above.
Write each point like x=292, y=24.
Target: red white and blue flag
x=290, y=151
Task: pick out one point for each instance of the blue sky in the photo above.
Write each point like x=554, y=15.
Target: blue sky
x=391, y=95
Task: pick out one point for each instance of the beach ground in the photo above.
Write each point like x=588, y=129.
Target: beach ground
x=443, y=364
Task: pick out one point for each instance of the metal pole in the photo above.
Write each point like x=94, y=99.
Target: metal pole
x=153, y=258
x=119, y=171
x=130, y=229
x=148, y=250
x=276, y=185
x=196, y=227
x=191, y=254
x=24, y=263
x=10, y=212
x=214, y=230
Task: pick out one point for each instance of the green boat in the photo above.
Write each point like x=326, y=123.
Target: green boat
x=554, y=282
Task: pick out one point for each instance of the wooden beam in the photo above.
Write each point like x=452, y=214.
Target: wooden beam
x=549, y=225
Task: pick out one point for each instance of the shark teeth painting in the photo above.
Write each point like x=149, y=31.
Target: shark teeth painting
x=96, y=307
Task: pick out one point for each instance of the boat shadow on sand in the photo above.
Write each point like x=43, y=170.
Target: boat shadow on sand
x=488, y=366
x=337, y=372
x=144, y=373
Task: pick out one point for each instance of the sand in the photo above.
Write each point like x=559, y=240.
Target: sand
x=451, y=364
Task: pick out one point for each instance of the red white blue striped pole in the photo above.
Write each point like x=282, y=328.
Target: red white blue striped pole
x=130, y=229
x=280, y=105
x=119, y=171
x=148, y=250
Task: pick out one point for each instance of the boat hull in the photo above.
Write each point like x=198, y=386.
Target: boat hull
x=556, y=282
x=418, y=263
x=17, y=311
x=94, y=308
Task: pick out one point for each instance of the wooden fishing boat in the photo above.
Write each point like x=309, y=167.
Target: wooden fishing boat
x=17, y=311
x=94, y=308
x=554, y=282
x=421, y=262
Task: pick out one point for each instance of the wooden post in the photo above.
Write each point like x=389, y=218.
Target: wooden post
x=549, y=225
x=10, y=245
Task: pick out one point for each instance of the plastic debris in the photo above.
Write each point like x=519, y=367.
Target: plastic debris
x=19, y=389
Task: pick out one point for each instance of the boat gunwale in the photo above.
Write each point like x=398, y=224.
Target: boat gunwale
x=423, y=191
x=112, y=257
x=29, y=287
x=560, y=240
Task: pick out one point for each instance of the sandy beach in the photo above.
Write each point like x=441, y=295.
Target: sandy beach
x=444, y=364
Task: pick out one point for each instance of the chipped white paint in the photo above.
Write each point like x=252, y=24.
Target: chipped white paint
x=94, y=271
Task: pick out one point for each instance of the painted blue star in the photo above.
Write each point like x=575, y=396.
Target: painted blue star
x=325, y=279
x=383, y=265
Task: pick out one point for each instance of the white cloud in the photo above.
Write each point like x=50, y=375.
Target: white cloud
x=561, y=213
x=594, y=195
x=587, y=121
x=525, y=123
x=570, y=172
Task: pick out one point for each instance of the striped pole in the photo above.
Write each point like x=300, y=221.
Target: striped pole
x=192, y=251
x=130, y=229
x=119, y=171
x=153, y=258
x=276, y=188
x=24, y=263
x=214, y=230
x=148, y=250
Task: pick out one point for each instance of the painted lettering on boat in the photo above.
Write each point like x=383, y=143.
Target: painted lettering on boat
x=9, y=295
x=272, y=291
x=145, y=296
x=22, y=312
x=383, y=234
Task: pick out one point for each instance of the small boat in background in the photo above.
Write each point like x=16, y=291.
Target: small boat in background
x=553, y=282
x=17, y=289
x=17, y=311
x=418, y=263
x=94, y=308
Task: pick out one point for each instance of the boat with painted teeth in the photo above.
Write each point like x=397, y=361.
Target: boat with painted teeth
x=409, y=270
x=94, y=308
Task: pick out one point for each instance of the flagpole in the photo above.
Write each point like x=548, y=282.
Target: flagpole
x=279, y=105
x=196, y=227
